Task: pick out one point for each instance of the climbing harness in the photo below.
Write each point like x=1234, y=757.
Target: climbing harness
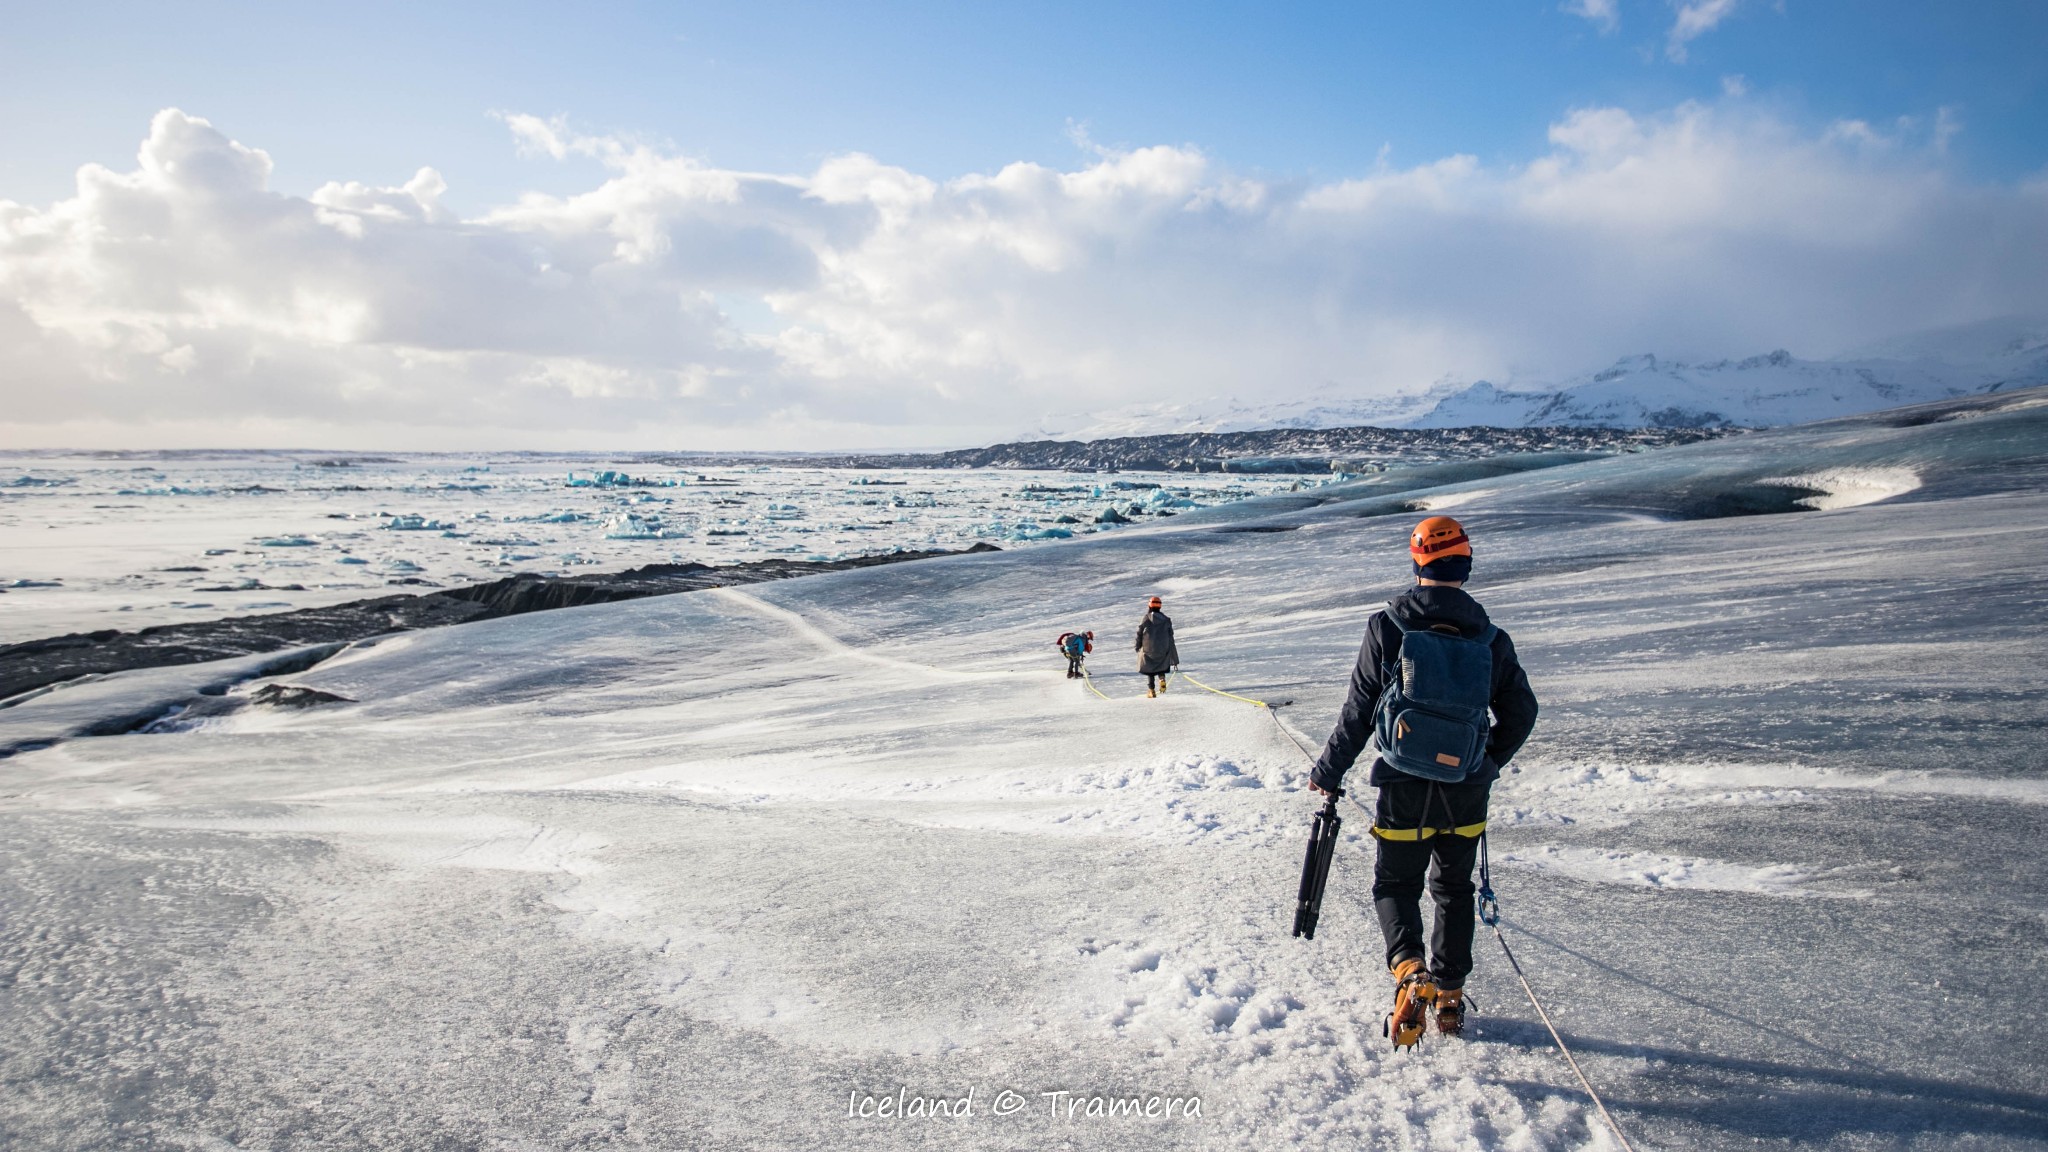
x=1489, y=915
x=1468, y=831
x=1422, y=830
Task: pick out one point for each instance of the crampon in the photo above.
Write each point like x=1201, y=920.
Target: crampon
x=1450, y=1011
x=1414, y=994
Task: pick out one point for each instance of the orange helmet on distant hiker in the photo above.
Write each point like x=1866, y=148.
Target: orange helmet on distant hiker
x=1158, y=603
x=1436, y=538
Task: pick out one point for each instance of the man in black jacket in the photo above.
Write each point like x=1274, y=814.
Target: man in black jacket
x=1419, y=821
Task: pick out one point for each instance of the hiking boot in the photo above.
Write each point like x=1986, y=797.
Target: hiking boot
x=1151, y=693
x=1414, y=992
x=1450, y=1011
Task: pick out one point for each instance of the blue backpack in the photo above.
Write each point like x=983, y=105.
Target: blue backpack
x=1431, y=719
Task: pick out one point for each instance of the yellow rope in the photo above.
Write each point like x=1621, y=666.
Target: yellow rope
x=1090, y=681
x=1221, y=692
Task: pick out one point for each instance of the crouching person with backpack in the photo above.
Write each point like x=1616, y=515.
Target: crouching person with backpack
x=1432, y=668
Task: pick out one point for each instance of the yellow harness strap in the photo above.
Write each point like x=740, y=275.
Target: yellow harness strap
x=1468, y=831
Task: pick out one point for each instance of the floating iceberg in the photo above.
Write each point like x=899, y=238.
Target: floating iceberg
x=629, y=526
x=610, y=479
x=1026, y=530
x=411, y=523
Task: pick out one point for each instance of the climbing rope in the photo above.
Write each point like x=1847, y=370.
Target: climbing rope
x=1489, y=915
x=1272, y=709
x=1232, y=695
x=1090, y=681
x=1288, y=732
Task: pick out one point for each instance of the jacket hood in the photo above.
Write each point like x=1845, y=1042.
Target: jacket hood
x=1423, y=606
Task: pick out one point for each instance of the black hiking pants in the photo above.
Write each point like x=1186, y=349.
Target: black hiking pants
x=1155, y=680
x=1073, y=667
x=1444, y=858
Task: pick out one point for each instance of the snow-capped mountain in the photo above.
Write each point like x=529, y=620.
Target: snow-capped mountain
x=1644, y=390
x=1761, y=391
x=1326, y=407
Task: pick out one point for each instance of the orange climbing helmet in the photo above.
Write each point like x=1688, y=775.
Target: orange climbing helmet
x=1436, y=538
x=1156, y=603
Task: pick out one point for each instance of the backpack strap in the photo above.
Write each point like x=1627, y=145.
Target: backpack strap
x=1389, y=660
x=1485, y=636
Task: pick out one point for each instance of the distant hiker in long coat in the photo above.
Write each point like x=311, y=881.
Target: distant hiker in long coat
x=1156, y=653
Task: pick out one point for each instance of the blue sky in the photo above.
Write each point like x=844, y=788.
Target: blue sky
x=374, y=90
x=806, y=225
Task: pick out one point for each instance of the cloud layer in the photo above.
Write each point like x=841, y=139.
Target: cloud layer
x=678, y=304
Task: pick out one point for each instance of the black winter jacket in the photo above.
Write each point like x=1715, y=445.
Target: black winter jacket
x=1514, y=705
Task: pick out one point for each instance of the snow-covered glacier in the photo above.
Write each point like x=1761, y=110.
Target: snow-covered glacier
x=724, y=869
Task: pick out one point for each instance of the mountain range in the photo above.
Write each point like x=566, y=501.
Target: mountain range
x=1643, y=391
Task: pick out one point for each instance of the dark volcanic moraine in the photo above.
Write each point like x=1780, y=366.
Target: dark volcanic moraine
x=1271, y=450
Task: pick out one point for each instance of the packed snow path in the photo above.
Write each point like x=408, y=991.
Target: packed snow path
x=708, y=870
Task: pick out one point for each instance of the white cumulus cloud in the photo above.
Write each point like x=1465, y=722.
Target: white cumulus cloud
x=674, y=303
x=1695, y=19
x=1605, y=14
